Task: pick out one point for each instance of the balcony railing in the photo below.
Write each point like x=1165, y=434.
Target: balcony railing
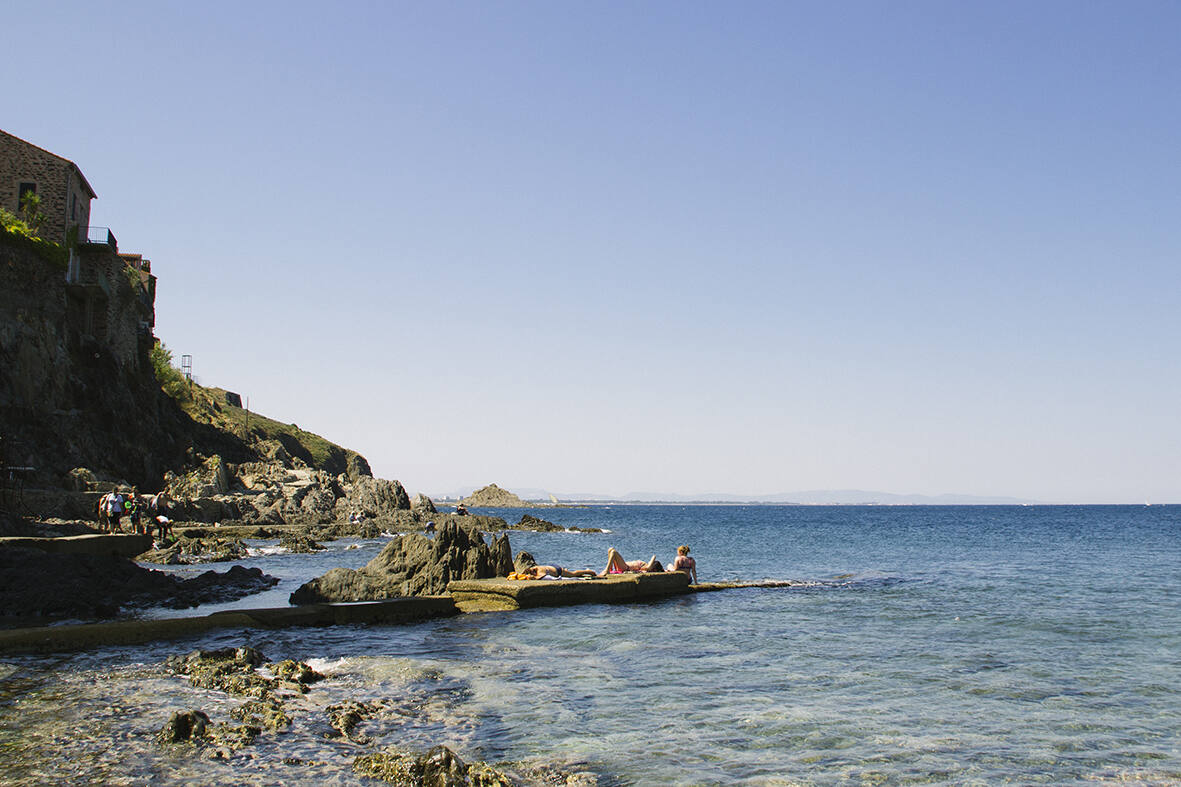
x=99, y=236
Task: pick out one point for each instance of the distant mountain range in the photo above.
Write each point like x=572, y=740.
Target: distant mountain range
x=838, y=497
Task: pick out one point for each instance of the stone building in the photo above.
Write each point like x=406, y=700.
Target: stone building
x=110, y=296
x=64, y=191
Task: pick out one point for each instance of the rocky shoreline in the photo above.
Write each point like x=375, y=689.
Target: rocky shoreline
x=267, y=710
x=217, y=507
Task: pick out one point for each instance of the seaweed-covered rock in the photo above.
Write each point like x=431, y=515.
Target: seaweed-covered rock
x=203, y=549
x=439, y=767
x=234, y=671
x=299, y=543
x=413, y=565
x=345, y=717
x=265, y=713
x=183, y=726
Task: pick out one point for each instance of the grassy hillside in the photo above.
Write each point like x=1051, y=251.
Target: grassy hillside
x=211, y=407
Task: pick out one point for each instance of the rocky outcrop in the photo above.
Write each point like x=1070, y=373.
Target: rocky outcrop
x=529, y=522
x=188, y=550
x=373, y=497
x=439, y=767
x=493, y=496
x=413, y=565
x=35, y=585
x=271, y=493
x=423, y=504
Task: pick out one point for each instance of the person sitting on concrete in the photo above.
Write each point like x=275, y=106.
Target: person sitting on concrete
x=617, y=565
x=682, y=562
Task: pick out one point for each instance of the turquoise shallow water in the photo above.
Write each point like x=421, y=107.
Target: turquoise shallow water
x=942, y=644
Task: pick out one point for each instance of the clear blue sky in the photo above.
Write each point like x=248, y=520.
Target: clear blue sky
x=918, y=247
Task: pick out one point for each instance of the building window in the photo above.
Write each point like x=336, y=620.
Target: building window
x=26, y=188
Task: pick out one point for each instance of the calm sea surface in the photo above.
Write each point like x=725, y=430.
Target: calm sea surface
x=933, y=644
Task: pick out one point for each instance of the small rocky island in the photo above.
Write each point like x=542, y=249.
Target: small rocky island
x=492, y=496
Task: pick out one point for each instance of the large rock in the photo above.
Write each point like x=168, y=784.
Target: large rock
x=423, y=504
x=376, y=497
x=38, y=584
x=413, y=565
x=356, y=466
x=211, y=478
x=80, y=479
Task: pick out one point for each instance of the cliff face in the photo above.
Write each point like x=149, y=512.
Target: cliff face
x=77, y=388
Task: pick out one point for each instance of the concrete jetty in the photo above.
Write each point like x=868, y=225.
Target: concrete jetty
x=476, y=595
x=116, y=544
x=486, y=595
x=53, y=639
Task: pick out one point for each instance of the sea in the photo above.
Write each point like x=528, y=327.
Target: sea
x=943, y=644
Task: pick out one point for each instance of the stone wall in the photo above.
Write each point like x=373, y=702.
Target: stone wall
x=110, y=304
x=65, y=194
x=71, y=397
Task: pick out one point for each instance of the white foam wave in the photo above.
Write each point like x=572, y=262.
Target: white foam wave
x=328, y=666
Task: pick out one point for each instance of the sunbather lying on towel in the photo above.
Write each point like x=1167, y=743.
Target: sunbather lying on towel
x=541, y=572
x=617, y=565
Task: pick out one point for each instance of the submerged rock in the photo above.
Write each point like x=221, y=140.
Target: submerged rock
x=183, y=726
x=241, y=671
x=345, y=717
x=234, y=671
x=413, y=565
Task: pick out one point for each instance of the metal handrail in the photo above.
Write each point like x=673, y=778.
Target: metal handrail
x=101, y=236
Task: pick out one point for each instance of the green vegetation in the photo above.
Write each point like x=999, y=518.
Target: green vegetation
x=31, y=214
x=169, y=377
x=209, y=406
x=17, y=231
x=134, y=279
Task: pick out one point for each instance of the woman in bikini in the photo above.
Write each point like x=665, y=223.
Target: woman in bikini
x=683, y=562
x=617, y=565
